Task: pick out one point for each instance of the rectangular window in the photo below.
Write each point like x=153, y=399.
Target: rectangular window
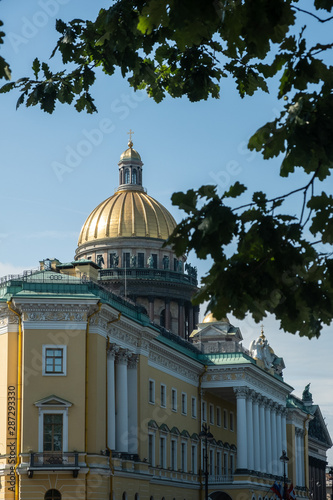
x=163, y=395
x=151, y=391
x=225, y=419
x=204, y=411
x=231, y=421
x=52, y=432
x=174, y=399
x=218, y=416
x=154, y=255
x=126, y=260
x=54, y=359
x=184, y=403
x=173, y=454
x=211, y=414
x=194, y=407
x=225, y=464
x=218, y=463
x=162, y=452
x=141, y=259
x=232, y=464
x=151, y=449
x=194, y=459
x=184, y=457
x=211, y=462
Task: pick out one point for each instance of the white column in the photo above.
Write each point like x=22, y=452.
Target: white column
x=132, y=385
x=249, y=428
x=263, y=462
x=111, y=402
x=121, y=402
x=279, y=440
x=298, y=458
x=256, y=434
x=301, y=440
x=268, y=438
x=241, y=393
x=275, y=458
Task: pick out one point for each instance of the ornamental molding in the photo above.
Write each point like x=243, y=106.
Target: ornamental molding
x=54, y=312
x=7, y=317
x=243, y=376
x=174, y=363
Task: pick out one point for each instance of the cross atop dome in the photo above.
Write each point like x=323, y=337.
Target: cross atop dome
x=130, y=142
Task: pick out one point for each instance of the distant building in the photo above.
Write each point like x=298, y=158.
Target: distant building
x=108, y=381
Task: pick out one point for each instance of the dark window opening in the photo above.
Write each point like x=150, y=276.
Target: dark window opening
x=141, y=259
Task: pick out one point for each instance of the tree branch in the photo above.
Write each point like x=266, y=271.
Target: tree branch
x=313, y=15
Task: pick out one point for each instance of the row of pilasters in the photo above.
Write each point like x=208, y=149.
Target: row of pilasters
x=261, y=433
x=122, y=411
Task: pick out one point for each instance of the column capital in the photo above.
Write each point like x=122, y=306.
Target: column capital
x=241, y=392
x=122, y=356
x=112, y=350
x=133, y=360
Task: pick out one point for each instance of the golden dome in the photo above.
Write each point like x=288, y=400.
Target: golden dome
x=210, y=318
x=129, y=154
x=128, y=213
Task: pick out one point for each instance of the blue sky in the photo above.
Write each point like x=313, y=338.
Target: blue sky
x=55, y=169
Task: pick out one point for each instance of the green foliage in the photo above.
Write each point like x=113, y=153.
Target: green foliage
x=265, y=260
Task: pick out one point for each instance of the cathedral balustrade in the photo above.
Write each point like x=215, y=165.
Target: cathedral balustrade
x=146, y=273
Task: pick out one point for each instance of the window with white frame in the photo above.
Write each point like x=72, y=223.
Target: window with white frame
x=211, y=414
x=184, y=456
x=151, y=391
x=218, y=416
x=54, y=360
x=211, y=462
x=218, y=463
x=204, y=411
x=232, y=464
x=163, y=395
x=53, y=424
x=225, y=419
x=225, y=464
x=163, y=452
x=173, y=454
x=151, y=448
x=184, y=403
x=194, y=458
x=231, y=421
x=194, y=407
x=174, y=399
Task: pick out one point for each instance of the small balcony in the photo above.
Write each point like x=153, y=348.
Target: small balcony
x=54, y=461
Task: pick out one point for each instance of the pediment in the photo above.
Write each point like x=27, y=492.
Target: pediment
x=318, y=430
x=53, y=401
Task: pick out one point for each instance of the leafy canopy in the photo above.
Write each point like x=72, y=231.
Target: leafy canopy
x=265, y=261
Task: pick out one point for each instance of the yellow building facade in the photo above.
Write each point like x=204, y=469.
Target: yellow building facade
x=124, y=396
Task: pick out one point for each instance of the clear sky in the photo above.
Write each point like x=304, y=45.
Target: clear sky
x=55, y=169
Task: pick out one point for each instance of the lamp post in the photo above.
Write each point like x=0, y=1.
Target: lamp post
x=285, y=460
x=206, y=436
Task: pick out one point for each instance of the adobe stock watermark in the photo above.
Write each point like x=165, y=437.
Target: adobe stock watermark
x=74, y=155
x=31, y=26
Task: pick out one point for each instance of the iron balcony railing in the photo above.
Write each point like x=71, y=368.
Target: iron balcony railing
x=54, y=461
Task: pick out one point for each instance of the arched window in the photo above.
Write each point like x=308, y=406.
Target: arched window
x=134, y=176
x=124, y=497
x=162, y=318
x=136, y=496
x=52, y=495
x=127, y=176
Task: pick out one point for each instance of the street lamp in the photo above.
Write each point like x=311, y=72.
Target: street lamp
x=285, y=460
x=206, y=436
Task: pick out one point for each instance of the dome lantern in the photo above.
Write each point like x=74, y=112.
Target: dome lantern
x=130, y=168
